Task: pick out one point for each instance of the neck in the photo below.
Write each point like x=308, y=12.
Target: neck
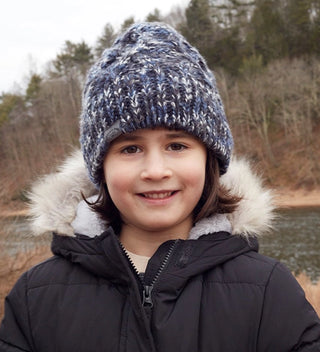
x=143, y=242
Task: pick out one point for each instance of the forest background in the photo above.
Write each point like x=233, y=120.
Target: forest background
x=266, y=58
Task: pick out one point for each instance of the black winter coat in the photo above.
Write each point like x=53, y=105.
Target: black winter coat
x=212, y=292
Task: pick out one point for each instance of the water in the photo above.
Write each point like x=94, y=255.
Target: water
x=15, y=236
x=295, y=240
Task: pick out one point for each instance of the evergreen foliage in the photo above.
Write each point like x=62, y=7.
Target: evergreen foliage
x=231, y=32
x=127, y=23
x=74, y=57
x=105, y=40
x=34, y=87
x=8, y=104
x=154, y=16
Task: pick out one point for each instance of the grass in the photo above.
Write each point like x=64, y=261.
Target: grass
x=312, y=291
x=11, y=267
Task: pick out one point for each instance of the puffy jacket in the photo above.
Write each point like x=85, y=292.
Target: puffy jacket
x=212, y=292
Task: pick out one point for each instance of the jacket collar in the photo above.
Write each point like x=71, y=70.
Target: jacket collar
x=102, y=255
x=56, y=203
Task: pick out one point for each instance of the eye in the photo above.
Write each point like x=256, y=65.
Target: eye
x=177, y=147
x=131, y=149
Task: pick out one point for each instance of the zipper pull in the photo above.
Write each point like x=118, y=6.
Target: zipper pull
x=147, y=300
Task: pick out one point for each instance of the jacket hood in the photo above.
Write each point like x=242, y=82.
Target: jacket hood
x=56, y=203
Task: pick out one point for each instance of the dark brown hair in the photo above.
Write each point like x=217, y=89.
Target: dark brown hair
x=215, y=198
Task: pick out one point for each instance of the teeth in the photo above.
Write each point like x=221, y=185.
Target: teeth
x=158, y=195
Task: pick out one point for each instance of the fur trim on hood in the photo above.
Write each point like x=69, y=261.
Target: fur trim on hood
x=56, y=203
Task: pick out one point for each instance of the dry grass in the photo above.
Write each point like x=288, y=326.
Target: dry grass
x=312, y=291
x=12, y=267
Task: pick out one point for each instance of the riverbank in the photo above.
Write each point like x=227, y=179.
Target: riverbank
x=284, y=198
x=9, y=211
x=297, y=198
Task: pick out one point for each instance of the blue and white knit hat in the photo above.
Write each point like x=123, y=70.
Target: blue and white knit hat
x=151, y=77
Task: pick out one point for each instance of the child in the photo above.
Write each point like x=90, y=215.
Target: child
x=165, y=257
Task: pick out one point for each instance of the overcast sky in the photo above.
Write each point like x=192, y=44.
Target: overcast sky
x=32, y=32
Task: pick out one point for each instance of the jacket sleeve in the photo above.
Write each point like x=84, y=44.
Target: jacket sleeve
x=15, y=330
x=288, y=321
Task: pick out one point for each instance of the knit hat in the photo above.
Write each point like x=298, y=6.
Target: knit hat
x=151, y=77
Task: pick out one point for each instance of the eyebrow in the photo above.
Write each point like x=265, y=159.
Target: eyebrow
x=127, y=137
x=178, y=134
x=131, y=137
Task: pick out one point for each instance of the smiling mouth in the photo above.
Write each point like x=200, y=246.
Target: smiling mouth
x=158, y=195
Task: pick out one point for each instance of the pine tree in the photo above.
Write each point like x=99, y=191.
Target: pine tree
x=105, y=40
x=266, y=36
x=74, y=58
x=154, y=16
x=299, y=27
x=33, y=88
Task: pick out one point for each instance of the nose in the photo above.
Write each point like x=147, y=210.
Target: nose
x=155, y=167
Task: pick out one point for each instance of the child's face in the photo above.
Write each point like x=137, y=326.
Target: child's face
x=155, y=178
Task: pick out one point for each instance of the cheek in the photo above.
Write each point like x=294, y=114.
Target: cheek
x=115, y=181
x=195, y=176
x=117, y=186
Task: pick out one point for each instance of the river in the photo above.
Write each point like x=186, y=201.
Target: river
x=295, y=239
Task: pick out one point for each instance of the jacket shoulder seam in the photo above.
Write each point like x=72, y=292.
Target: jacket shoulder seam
x=50, y=259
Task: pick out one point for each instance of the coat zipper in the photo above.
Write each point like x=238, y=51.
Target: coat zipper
x=147, y=289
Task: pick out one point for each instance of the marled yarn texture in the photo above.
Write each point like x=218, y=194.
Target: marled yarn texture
x=151, y=77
